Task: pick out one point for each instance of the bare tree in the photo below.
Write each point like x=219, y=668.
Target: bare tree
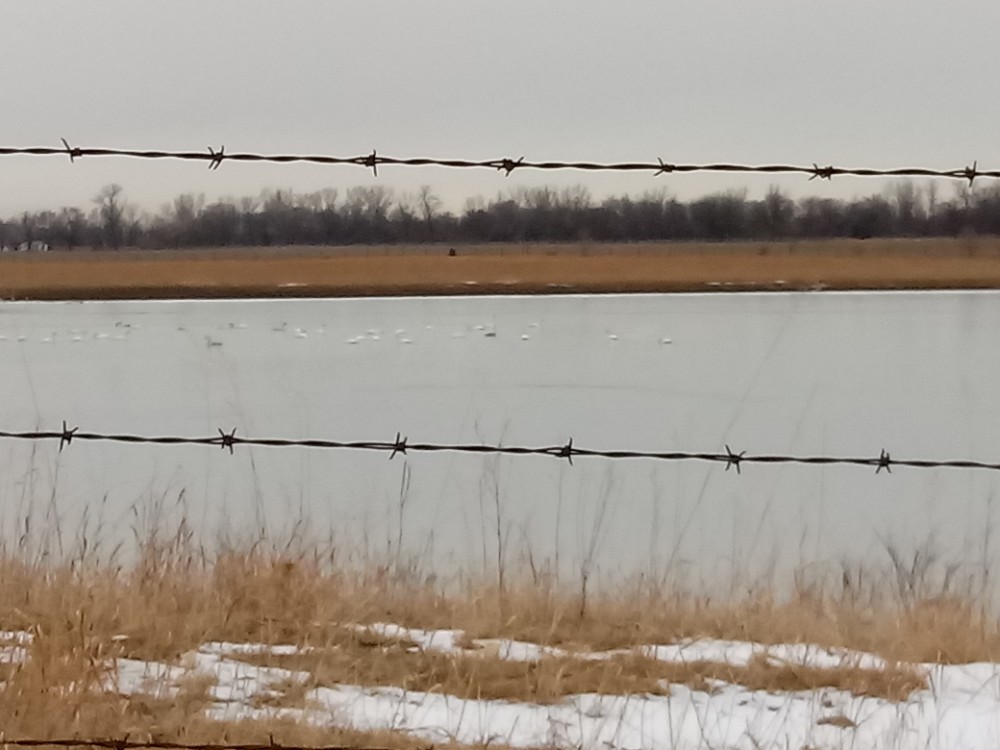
x=329, y=198
x=111, y=208
x=430, y=204
x=312, y=202
x=907, y=201
x=72, y=224
x=249, y=204
x=474, y=204
x=27, y=228
x=370, y=202
x=778, y=212
x=405, y=210
x=132, y=220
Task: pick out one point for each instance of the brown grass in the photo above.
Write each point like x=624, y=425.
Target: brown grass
x=165, y=618
x=549, y=680
x=170, y=608
x=585, y=267
x=176, y=598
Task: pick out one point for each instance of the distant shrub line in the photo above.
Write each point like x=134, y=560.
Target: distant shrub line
x=379, y=215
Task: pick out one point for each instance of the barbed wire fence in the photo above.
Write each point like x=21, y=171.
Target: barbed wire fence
x=401, y=446
x=215, y=158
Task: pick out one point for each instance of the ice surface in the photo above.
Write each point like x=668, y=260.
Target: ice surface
x=831, y=374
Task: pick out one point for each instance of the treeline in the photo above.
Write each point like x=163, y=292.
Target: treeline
x=370, y=215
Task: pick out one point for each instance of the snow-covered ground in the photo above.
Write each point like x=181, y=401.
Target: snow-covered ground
x=960, y=708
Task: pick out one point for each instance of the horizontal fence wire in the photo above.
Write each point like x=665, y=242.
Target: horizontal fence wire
x=214, y=158
x=126, y=744
x=400, y=445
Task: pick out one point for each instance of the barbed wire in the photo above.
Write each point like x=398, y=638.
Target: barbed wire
x=401, y=445
x=126, y=744
x=374, y=160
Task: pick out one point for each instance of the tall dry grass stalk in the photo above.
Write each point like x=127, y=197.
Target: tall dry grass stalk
x=177, y=596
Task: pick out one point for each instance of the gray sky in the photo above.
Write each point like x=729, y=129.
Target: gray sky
x=850, y=82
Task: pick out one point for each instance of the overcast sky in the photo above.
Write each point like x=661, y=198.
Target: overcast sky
x=848, y=82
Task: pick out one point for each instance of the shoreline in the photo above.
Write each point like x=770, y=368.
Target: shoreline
x=297, y=272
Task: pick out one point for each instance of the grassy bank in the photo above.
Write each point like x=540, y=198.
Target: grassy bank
x=504, y=269
x=82, y=617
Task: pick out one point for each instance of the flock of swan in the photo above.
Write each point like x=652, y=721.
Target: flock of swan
x=122, y=331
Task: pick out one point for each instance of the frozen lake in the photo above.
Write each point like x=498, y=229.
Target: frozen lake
x=823, y=373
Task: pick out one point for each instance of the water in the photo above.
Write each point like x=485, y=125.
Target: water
x=832, y=373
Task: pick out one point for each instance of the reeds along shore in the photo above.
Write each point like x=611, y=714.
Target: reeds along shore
x=176, y=597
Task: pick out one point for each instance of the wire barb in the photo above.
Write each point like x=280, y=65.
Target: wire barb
x=734, y=459
x=665, y=168
x=398, y=446
x=971, y=173
x=73, y=152
x=823, y=173
x=567, y=451
x=217, y=156
x=884, y=462
x=371, y=161
x=509, y=165
x=67, y=435
x=226, y=440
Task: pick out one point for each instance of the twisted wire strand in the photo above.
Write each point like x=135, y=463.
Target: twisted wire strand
x=214, y=158
x=400, y=445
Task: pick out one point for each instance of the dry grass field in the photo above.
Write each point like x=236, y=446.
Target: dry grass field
x=83, y=616
x=972, y=263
